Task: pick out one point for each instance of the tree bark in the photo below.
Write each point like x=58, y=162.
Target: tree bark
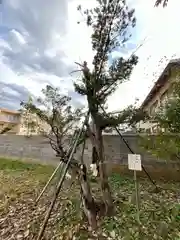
x=88, y=203
x=107, y=198
x=97, y=142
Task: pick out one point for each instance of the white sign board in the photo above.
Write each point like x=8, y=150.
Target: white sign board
x=134, y=162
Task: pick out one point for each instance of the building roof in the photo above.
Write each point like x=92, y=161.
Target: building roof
x=163, y=78
x=9, y=111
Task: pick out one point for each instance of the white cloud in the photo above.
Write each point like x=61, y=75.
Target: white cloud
x=161, y=27
x=78, y=41
x=32, y=40
x=40, y=41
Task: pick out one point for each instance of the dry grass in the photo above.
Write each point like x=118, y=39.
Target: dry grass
x=20, y=183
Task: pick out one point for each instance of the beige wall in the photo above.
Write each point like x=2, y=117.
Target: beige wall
x=9, y=119
x=16, y=121
x=40, y=126
x=14, y=129
x=37, y=148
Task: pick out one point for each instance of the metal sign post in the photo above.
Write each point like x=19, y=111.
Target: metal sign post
x=134, y=163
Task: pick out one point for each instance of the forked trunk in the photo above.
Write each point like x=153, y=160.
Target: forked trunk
x=107, y=198
x=88, y=203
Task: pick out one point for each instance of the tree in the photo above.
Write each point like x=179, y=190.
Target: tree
x=111, y=22
x=166, y=143
x=55, y=110
x=29, y=121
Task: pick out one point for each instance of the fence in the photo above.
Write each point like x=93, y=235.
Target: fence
x=116, y=153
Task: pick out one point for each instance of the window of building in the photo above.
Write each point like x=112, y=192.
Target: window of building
x=164, y=98
x=9, y=117
x=12, y=118
x=16, y=118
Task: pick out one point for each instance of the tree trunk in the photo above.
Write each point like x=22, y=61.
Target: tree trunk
x=97, y=142
x=88, y=202
x=107, y=198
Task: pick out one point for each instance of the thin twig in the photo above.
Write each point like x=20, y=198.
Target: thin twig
x=79, y=65
x=75, y=71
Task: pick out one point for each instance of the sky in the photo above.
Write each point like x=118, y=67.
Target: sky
x=40, y=41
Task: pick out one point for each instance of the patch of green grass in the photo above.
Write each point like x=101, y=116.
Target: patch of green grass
x=17, y=165
x=117, y=180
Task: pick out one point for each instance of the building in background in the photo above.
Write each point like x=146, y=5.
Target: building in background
x=10, y=119
x=159, y=94
x=21, y=123
x=31, y=124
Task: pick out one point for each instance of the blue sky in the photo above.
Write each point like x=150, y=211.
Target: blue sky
x=40, y=41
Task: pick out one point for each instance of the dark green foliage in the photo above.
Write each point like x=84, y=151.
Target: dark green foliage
x=163, y=2
x=129, y=116
x=112, y=22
